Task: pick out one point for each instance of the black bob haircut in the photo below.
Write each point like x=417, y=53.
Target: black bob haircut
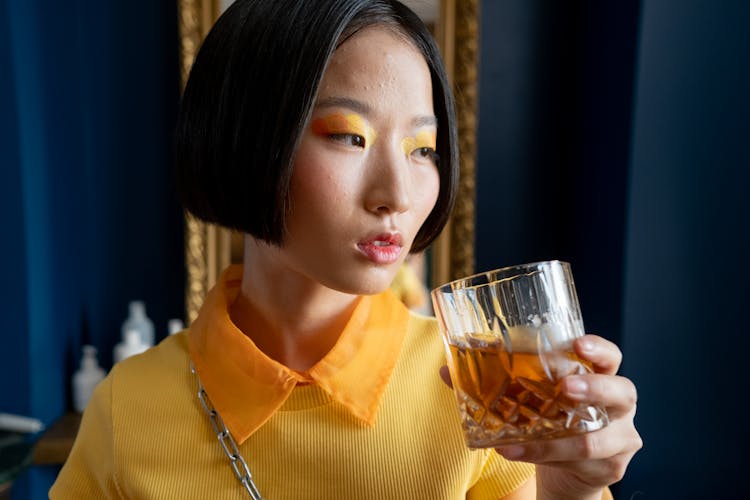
x=251, y=92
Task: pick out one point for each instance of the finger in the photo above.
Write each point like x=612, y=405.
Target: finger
x=594, y=472
x=619, y=437
x=603, y=354
x=446, y=376
x=615, y=393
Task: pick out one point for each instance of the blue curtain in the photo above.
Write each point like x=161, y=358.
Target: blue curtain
x=555, y=95
x=615, y=135
x=686, y=280
x=88, y=93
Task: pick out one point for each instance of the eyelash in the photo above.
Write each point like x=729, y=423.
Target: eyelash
x=427, y=154
x=358, y=141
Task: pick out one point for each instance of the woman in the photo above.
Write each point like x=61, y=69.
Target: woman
x=323, y=130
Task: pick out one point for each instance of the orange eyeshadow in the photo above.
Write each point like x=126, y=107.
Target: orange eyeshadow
x=339, y=123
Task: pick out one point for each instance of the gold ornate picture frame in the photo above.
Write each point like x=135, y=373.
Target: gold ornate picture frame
x=209, y=248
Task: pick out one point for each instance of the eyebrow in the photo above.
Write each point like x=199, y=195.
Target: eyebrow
x=363, y=109
x=424, y=121
x=344, y=102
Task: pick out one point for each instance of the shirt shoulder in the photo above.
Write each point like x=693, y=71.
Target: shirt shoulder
x=154, y=380
x=423, y=339
x=423, y=327
x=153, y=373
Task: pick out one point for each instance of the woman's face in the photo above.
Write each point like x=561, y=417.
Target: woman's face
x=364, y=177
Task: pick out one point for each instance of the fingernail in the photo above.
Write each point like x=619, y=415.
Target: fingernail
x=576, y=386
x=511, y=452
x=587, y=346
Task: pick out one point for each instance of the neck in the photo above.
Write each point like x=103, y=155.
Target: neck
x=289, y=316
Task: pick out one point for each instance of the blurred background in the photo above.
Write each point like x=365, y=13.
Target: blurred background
x=613, y=135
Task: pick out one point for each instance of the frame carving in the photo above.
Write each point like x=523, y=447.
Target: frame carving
x=209, y=248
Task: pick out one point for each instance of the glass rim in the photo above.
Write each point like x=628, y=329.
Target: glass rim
x=470, y=281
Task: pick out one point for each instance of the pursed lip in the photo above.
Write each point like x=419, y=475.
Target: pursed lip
x=382, y=248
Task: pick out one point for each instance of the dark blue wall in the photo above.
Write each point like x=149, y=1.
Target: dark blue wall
x=616, y=136
x=685, y=343
x=556, y=90
x=88, y=93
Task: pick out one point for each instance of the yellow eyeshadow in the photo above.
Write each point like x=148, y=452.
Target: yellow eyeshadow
x=340, y=123
x=425, y=138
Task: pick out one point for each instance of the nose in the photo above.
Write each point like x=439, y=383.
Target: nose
x=389, y=186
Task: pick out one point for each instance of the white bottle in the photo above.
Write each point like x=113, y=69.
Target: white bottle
x=86, y=378
x=138, y=320
x=130, y=346
x=175, y=325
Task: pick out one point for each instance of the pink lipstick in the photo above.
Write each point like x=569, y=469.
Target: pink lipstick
x=382, y=248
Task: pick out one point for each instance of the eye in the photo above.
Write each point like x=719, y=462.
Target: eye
x=425, y=154
x=348, y=139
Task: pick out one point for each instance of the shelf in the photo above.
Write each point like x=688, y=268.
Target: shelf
x=54, y=446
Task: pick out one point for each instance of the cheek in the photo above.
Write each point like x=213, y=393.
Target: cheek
x=428, y=183
x=317, y=190
x=306, y=194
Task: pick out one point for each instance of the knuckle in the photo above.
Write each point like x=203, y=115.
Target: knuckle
x=599, y=386
x=637, y=442
x=632, y=412
x=588, y=445
x=617, y=357
x=609, y=351
x=632, y=393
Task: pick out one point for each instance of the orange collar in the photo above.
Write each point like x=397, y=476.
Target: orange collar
x=247, y=387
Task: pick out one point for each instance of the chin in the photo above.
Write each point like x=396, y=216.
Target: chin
x=371, y=282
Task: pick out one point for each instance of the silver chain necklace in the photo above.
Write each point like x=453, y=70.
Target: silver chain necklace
x=236, y=461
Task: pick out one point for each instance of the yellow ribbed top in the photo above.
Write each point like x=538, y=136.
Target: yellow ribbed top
x=145, y=435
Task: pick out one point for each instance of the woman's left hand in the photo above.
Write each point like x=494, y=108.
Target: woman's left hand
x=581, y=466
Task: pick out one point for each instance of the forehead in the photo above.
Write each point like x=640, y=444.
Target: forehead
x=378, y=64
